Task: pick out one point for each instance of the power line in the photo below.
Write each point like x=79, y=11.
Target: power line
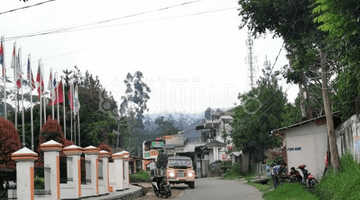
x=64, y=29
x=26, y=7
x=85, y=48
x=152, y=20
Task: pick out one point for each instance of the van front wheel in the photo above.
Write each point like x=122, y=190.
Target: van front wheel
x=192, y=185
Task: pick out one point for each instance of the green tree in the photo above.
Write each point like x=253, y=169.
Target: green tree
x=293, y=21
x=340, y=19
x=260, y=112
x=133, y=106
x=166, y=125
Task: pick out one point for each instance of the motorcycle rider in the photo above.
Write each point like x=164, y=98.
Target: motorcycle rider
x=295, y=174
x=273, y=175
x=278, y=173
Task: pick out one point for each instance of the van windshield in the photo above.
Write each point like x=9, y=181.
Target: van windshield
x=179, y=163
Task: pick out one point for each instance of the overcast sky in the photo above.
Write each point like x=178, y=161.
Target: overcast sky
x=192, y=55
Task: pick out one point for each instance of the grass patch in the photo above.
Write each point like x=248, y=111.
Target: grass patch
x=262, y=187
x=343, y=184
x=142, y=176
x=288, y=191
x=232, y=176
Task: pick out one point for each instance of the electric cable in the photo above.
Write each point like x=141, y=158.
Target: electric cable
x=58, y=30
x=26, y=7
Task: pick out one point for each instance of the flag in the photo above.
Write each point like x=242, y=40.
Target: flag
x=30, y=76
x=71, y=100
x=18, y=75
x=55, y=83
x=76, y=101
x=39, y=81
x=13, y=59
x=51, y=86
x=2, y=57
x=60, y=90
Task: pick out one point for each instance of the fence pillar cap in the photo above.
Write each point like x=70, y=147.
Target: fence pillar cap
x=117, y=155
x=24, y=154
x=51, y=146
x=72, y=150
x=126, y=158
x=125, y=153
x=104, y=154
x=91, y=150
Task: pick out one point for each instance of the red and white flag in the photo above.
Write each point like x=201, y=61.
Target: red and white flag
x=51, y=86
x=39, y=80
x=60, y=95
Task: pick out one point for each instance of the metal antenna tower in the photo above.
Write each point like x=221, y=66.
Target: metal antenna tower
x=250, y=59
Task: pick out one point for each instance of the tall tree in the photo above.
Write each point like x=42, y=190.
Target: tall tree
x=340, y=19
x=133, y=106
x=259, y=112
x=166, y=125
x=136, y=95
x=293, y=21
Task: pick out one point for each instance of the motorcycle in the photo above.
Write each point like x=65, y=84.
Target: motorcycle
x=161, y=186
x=309, y=179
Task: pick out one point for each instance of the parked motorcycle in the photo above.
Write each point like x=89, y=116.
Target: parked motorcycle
x=309, y=179
x=161, y=186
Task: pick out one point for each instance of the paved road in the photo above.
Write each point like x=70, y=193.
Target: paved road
x=213, y=188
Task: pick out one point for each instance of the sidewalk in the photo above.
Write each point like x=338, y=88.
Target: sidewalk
x=132, y=193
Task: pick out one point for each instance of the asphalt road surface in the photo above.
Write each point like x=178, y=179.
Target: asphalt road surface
x=214, y=189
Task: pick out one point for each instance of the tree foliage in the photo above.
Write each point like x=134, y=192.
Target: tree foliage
x=51, y=130
x=166, y=125
x=260, y=112
x=340, y=19
x=10, y=142
x=136, y=95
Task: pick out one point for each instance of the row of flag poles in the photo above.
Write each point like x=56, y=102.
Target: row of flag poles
x=55, y=87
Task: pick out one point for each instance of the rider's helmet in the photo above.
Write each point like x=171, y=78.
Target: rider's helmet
x=302, y=166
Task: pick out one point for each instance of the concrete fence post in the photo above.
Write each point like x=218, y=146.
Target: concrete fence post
x=104, y=183
x=118, y=171
x=72, y=190
x=126, y=159
x=25, y=159
x=91, y=153
x=51, y=151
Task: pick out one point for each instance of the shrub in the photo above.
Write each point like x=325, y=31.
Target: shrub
x=104, y=147
x=141, y=176
x=51, y=130
x=236, y=168
x=10, y=142
x=39, y=183
x=343, y=184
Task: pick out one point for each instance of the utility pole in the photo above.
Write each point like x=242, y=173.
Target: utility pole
x=251, y=60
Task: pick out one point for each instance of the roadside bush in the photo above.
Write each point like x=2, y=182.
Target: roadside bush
x=343, y=184
x=236, y=168
x=141, y=176
x=226, y=165
x=234, y=172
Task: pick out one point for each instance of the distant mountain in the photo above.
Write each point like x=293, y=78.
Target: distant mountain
x=177, y=115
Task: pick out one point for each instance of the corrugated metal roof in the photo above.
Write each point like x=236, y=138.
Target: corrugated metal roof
x=304, y=122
